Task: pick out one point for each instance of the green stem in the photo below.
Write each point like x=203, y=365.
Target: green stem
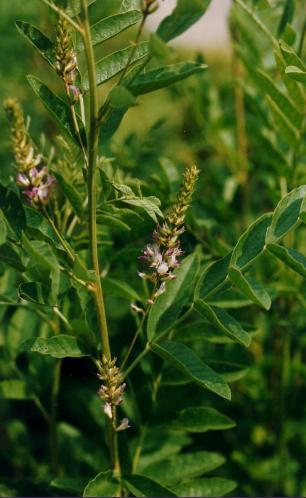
x=92, y=163
x=92, y=211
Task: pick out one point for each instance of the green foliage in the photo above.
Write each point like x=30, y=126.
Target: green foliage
x=229, y=309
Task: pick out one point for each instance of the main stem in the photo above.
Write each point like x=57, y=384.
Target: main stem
x=91, y=181
x=92, y=210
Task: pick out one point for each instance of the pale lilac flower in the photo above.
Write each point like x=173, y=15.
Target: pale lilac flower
x=124, y=424
x=108, y=410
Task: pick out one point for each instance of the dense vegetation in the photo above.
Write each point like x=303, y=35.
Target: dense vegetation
x=152, y=233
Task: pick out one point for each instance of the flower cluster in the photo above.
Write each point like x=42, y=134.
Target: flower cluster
x=33, y=176
x=66, y=61
x=112, y=391
x=163, y=256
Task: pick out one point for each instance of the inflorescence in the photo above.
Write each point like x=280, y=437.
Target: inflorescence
x=66, y=61
x=163, y=256
x=33, y=175
x=112, y=391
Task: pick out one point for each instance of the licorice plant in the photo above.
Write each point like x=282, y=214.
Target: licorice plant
x=61, y=211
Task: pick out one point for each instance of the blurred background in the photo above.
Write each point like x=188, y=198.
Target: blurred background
x=196, y=121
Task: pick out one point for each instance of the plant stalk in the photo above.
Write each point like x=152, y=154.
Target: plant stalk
x=91, y=181
x=92, y=211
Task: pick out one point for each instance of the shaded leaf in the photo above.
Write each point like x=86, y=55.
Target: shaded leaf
x=13, y=210
x=169, y=305
x=104, y=484
x=290, y=257
x=58, y=346
x=9, y=256
x=155, y=79
x=144, y=486
x=185, y=14
x=201, y=419
x=251, y=244
x=119, y=288
x=208, y=487
x=185, y=360
x=149, y=204
x=107, y=28
x=250, y=288
x=183, y=466
x=286, y=215
x=40, y=41
x=114, y=63
x=57, y=108
x=213, y=277
x=37, y=292
x=71, y=194
x=15, y=389
x=296, y=74
x=223, y=321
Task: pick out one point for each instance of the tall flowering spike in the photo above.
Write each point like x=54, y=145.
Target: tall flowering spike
x=22, y=145
x=163, y=256
x=33, y=177
x=111, y=392
x=66, y=60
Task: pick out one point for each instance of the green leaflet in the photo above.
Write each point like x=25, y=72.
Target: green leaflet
x=38, y=226
x=225, y=322
x=57, y=108
x=107, y=28
x=37, y=292
x=121, y=97
x=40, y=253
x=169, y=305
x=71, y=484
x=287, y=16
x=250, y=288
x=185, y=360
x=286, y=215
x=9, y=256
x=213, y=277
x=148, y=204
x=289, y=132
x=58, y=346
x=71, y=193
x=155, y=79
x=15, y=389
x=3, y=229
x=293, y=88
x=184, y=15
x=296, y=74
x=201, y=419
x=280, y=99
x=104, y=484
x=13, y=211
x=112, y=64
x=184, y=466
x=251, y=244
x=208, y=487
x=43, y=45
x=141, y=486
x=290, y=257
x=291, y=56
x=119, y=288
